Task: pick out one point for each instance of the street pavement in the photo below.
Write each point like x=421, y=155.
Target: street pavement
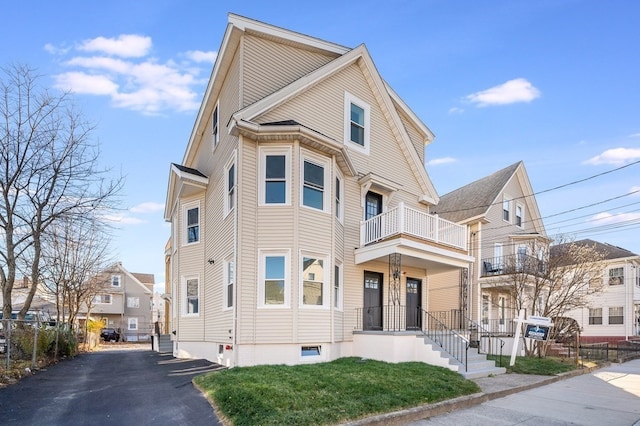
x=123, y=385
x=609, y=396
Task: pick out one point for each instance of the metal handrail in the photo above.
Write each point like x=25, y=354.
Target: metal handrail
x=448, y=339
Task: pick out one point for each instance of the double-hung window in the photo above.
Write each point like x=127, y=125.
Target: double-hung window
x=275, y=177
x=104, y=299
x=315, y=174
x=337, y=285
x=616, y=276
x=229, y=280
x=339, y=196
x=191, y=289
x=191, y=223
x=314, y=281
x=230, y=187
x=273, y=290
x=357, y=122
x=519, y=215
x=506, y=209
x=133, y=302
x=616, y=315
x=133, y=323
x=216, y=128
x=116, y=281
x=595, y=316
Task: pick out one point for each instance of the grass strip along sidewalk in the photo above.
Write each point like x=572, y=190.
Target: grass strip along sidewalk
x=328, y=393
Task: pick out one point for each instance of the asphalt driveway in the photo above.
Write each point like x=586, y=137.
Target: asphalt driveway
x=119, y=386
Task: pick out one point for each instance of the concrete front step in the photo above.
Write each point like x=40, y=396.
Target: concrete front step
x=485, y=372
x=164, y=343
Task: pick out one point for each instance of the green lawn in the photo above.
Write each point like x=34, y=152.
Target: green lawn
x=328, y=393
x=534, y=365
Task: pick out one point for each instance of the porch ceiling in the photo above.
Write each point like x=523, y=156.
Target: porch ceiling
x=415, y=254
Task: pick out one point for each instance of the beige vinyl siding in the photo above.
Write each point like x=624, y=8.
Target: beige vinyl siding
x=191, y=264
x=444, y=291
x=247, y=267
x=269, y=66
x=322, y=108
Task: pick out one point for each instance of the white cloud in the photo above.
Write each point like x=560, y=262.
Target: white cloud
x=455, y=110
x=439, y=161
x=608, y=218
x=126, y=45
x=615, y=156
x=80, y=82
x=635, y=191
x=122, y=219
x=133, y=80
x=148, y=207
x=634, y=135
x=201, y=56
x=513, y=91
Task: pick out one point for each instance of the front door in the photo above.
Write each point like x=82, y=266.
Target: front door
x=414, y=305
x=372, y=308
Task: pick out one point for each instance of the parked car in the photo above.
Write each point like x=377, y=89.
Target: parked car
x=110, y=334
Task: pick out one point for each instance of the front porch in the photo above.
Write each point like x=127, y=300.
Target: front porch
x=396, y=333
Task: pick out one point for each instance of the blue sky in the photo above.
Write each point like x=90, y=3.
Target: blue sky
x=555, y=84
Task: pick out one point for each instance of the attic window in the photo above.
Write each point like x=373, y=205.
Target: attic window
x=356, y=123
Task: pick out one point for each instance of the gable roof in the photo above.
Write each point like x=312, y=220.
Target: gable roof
x=610, y=252
x=474, y=199
x=388, y=100
x=118, y=265
x=181, y=177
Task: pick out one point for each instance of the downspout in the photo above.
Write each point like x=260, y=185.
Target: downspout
x=236, y=214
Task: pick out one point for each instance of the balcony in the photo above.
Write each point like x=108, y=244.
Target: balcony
x=403, y=220
x=513, y=264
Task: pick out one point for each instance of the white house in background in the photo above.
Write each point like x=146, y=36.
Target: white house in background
x=300, y=213
x=614, y=313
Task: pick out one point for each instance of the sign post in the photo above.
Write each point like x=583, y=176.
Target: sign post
x=537, y=329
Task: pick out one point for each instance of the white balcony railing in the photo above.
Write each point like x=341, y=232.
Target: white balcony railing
x=405, y=220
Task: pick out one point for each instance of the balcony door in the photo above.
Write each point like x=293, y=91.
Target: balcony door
x=414, y=305
x=372, y=205
x=372, y=307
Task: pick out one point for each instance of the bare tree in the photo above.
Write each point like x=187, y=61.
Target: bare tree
x=48, y=170
x=556, y=281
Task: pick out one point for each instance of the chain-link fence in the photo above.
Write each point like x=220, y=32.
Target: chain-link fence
x=31, y=342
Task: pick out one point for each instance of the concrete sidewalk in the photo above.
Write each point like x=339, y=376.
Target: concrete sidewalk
x=492, y=388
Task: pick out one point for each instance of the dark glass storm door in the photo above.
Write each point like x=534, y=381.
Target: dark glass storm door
x=414, y=305
x=372, y=307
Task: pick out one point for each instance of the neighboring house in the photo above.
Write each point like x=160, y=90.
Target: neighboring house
x=125, y=302
x=300, y=214
x=506, y=235
x=612, y=314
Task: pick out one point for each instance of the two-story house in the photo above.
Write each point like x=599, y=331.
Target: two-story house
x=125, y=302
x=508, y=242
x=612, y=313
x=300, y=213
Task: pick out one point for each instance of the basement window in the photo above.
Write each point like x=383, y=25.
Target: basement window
x=310, y=351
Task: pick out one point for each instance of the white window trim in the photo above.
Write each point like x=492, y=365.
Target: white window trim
x=225, y=301
x=262, y=254
x=110, y=302
x=339, y=193
x=185, y=234
x=183, y=299
x=227, y=167
x=348, y=100
x=339, y=306
x=135, y=300
x=326, y=287
x=215, y=132
x=325, y=163
x=515, y=215
x=130, y=321
x=119, y=280
x=263, y=153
